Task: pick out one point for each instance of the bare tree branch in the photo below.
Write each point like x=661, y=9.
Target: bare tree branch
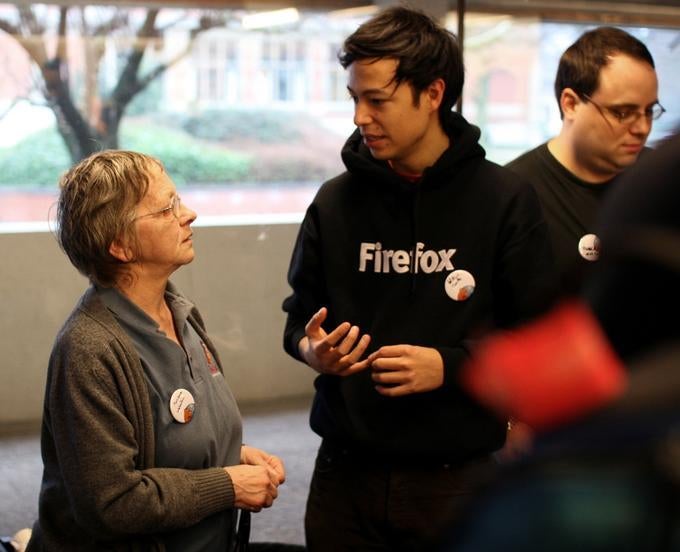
x=93, y=122
x=29, y=21
x=9, y=28
x=61, y=34
x=127, y=83
x=28, y=34
x=118, y=21
x=152, y=75
x=205, y=24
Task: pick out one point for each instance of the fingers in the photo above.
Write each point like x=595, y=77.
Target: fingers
x=353, y=355
x=389, y=351
x=277, y=469
x=322, y=342
x=336, y=353
x=387, y=364
x=350, y=363
x=344, y=345
x=339, y=336
x=257, y=457
x=255, y=487
x=356, y=367
x=395, y=391
x=272, y=491
x=403, y=369
x=392, y=379
x=314, y=325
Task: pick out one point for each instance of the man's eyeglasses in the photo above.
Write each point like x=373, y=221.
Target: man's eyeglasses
x=628, y=116
x=175, y=208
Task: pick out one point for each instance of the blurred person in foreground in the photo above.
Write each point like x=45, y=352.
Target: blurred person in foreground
x=401, y=260
x=141, y=435
x=599, y=377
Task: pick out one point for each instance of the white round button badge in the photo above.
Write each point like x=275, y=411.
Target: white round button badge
x=459, y=285
x=589, y=247
x=182, y=406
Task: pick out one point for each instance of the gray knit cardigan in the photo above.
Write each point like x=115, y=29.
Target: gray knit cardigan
x=100, y=488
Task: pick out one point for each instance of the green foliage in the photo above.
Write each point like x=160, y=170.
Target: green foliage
x=35, y=162
x=267, y=127
x=188, y=161
x=289, y=146
x=39, y=160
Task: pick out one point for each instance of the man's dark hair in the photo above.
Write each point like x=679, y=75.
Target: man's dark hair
x=424, y=49
x=581, y=63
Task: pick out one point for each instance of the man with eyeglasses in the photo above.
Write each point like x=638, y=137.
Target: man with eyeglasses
x=606, y=88
x=607, y=92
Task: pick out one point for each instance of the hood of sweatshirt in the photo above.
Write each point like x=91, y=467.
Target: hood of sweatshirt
x=464, y=146
x=464, y=154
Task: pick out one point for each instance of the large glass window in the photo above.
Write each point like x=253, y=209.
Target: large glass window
x=244, y=118
x=510, y=72
x=248, y=120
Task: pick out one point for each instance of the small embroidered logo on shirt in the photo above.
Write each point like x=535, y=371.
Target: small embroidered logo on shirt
x=212, y=365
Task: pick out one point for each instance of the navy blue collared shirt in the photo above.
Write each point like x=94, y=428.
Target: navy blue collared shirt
x=213, y=437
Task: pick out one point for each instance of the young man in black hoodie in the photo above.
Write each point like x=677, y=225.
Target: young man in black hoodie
x=419, y=247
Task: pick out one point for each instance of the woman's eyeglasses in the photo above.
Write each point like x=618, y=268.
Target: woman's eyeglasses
x=175, y=208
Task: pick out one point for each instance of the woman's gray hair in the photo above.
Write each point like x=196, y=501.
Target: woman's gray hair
x=97, y=205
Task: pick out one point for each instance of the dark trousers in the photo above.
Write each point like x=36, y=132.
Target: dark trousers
x=358, y=503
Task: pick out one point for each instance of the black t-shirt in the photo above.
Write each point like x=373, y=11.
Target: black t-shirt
x=570, y=207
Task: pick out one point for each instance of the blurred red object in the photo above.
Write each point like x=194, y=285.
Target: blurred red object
x=549, y=372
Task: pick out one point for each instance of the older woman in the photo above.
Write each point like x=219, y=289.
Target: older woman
x=141, y=436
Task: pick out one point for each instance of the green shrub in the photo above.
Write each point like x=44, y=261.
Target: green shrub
x=39, y=160
x=188, y=161
x=263, y=126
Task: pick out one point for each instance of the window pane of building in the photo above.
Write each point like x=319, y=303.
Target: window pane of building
x=247, y=120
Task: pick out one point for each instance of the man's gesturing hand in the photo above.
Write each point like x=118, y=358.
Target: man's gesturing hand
x=338, y=352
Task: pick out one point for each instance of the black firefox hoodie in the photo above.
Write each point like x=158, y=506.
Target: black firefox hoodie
x=434, y=263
